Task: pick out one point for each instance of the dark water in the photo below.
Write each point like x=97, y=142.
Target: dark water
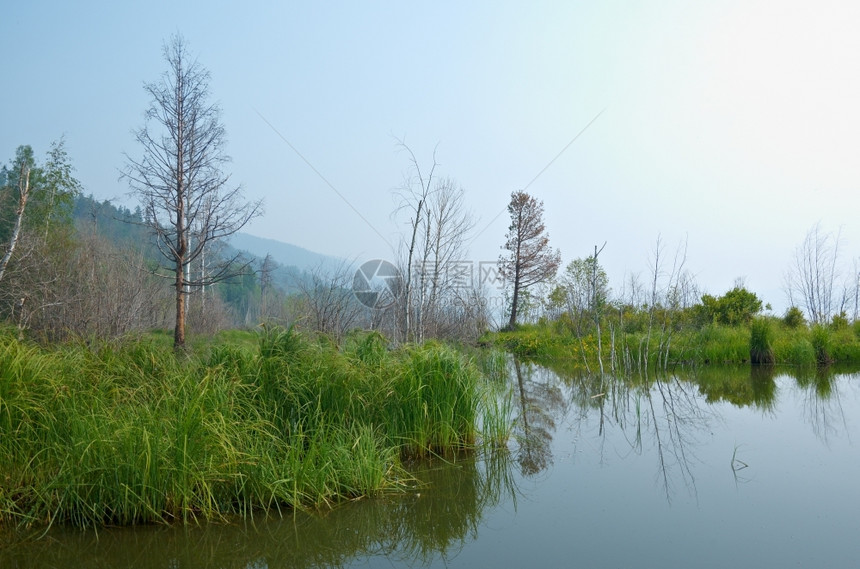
x=728, y=468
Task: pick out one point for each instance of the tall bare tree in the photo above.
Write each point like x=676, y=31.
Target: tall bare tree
x=187, y=199
x=529, y=259
x=811, y=279
x=414, y=194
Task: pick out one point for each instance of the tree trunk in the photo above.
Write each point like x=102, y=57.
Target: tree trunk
x=514, y=302
x=24, y=190
x=179, y=330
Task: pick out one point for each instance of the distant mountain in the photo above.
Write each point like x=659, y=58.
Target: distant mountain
x=283, y=253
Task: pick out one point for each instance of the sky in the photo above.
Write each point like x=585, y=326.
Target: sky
x=730, y=128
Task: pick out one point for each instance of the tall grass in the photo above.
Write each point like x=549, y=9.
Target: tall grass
x=766, y=339
x=761, y=340
x=821, y=344
x=135, y=433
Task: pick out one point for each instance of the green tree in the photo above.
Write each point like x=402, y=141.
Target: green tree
x=585, y=285
x=35, y=200
x=737, y=306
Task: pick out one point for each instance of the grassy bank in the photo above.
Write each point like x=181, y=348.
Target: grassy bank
x=133, y=434
x=768, y=339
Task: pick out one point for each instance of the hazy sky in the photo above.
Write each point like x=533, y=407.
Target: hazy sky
x=732, y=125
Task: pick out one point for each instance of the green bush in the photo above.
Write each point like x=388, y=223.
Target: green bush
x=794, y=317
x=737, y=306
x=839, y=322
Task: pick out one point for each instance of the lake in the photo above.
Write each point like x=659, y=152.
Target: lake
x=722, y=467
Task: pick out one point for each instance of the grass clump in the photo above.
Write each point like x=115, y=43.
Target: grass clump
x=761, y=340
x=135, y=433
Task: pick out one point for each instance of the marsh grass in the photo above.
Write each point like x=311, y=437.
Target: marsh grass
x=709, y=344
x=821, y=344
x=761, y=340
x=134, y=433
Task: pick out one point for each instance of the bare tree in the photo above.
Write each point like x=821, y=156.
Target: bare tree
x=327, y=302
x=812, y=275
x=444, y=274
x=436, y=273
x=414, y=194
x=88, y=288
x=188, y=201
x=530, y=260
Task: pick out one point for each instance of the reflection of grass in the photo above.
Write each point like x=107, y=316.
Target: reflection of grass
x=414, y=528
x=135, y=433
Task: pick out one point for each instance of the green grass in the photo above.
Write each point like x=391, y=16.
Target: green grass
x=133, y=433
x=761, y=342
x=705, y=345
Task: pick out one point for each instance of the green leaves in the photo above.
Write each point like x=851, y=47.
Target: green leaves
x=738, y=306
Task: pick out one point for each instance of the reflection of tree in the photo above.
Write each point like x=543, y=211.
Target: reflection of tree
x=663, y=415
x=822, y=402
x=435, y=521
x=742, y=386
x=539, y=403
x=675, y=417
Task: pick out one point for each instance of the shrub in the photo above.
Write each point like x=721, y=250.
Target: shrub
x=839, y=322
x=794, y=317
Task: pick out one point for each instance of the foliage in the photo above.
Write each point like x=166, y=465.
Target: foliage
x=794, y=317
x=53, y=189
x=628, y=348
x=839, y=321
x=737, y=306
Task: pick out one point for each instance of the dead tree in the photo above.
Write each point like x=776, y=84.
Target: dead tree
x=187, y=199
x=530, y=260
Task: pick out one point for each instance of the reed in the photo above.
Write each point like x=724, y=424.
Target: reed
x=135, y=434
x=761, y=340
x=821, y=344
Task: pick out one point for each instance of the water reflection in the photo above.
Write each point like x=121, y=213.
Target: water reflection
x=822, y=402
x=434, y=522
x=665, y=416
x=741, y=386
x=668, y=416
x=540, y=403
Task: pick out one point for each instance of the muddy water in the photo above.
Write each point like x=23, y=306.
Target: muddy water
x=725, y=468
